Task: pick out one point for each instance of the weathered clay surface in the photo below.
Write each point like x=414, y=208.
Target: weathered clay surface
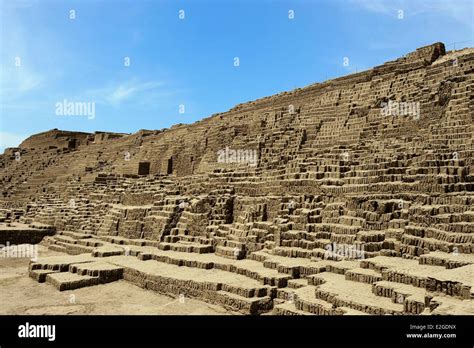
x=315, y=201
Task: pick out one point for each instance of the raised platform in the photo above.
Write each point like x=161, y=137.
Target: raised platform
x=18, y=233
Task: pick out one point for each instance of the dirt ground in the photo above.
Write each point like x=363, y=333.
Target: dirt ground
x=19, y=294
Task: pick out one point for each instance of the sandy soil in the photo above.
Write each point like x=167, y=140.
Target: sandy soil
x=21, y=295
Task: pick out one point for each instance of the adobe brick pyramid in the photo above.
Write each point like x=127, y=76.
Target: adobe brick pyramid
x=352, y=196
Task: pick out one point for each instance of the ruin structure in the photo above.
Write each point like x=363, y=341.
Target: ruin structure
x=351, y=196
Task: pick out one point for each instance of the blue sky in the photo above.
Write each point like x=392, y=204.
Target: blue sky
x=47, y=57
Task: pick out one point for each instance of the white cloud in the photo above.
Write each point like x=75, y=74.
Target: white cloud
x=374, y=6
x=17, y=81
x=21, y=4
x=460, y=10
x=131, y=91
x=10, y=140
x=19, y=68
